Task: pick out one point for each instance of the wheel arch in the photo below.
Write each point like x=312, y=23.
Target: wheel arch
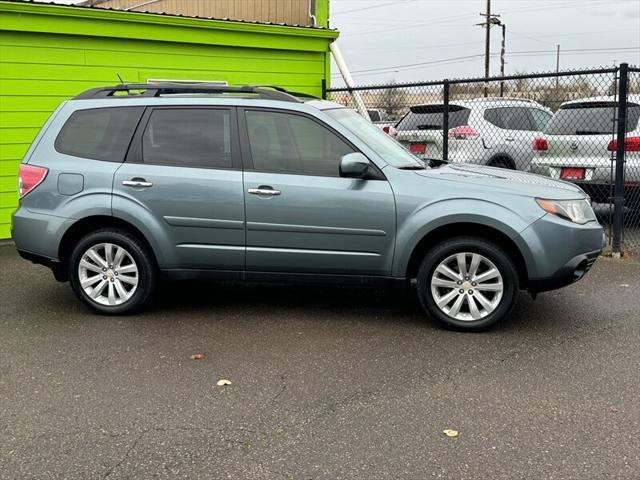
x=502, y=157
x=96, y=222
x=448, y=231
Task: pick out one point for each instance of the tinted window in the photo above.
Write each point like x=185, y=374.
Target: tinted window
x=591, y=118
x=99, y=133
x=282, y=142
x=540, y=118
x=374, y=115
x=510, y=118
x=188, y=137
x=430, y=117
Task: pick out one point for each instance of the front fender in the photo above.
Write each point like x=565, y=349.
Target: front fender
x=432, y=216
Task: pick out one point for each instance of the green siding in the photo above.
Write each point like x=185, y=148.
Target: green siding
x=49, y=53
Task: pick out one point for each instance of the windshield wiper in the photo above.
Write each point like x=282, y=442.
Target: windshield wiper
x=412, y=166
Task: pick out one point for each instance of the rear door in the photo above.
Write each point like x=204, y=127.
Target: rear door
x=184, y=168
x=515, y=131
x=302, y=216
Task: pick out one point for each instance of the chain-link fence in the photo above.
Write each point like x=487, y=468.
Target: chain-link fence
x=561, y=125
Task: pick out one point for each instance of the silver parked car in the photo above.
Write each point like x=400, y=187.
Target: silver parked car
x=488, y=131
x=579, y=145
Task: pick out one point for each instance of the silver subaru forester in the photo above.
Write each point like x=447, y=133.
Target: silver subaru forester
x=129, y=184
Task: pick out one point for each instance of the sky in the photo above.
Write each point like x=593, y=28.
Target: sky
x=383, y=40
x=415, y=40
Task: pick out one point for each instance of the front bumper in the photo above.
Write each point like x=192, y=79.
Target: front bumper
x=558, y=252
x=570, y=272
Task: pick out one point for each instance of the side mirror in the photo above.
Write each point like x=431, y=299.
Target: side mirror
x=354, y=165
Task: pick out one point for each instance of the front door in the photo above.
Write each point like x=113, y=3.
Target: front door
x=302, y=216
x=183, y=168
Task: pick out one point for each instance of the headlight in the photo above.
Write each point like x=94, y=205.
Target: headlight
x=577, y=211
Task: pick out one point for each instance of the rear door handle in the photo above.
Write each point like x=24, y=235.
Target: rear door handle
x=510, y=139
x=264, y=190
x=137, y=182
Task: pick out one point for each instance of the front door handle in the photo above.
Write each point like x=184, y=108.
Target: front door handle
x=137, y=182
x=264, y=190
x=510, y=139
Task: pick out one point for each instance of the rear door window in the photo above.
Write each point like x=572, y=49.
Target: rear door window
x=591, y=118
x=99, y=133
x=431, y=117
x=510, y=118
x=188, y=137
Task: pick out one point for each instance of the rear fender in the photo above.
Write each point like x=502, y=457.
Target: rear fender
x=155, y=231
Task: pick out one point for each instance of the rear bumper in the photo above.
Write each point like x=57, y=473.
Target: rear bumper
x=570, y=272
x=59, y=272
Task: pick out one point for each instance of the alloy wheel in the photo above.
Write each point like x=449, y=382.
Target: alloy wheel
x=108, y=274
x=467, y=286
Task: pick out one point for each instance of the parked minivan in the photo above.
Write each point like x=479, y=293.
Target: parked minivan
x=127, y=185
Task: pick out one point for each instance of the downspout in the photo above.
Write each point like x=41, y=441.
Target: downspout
x=348, y=80
x=312, y=13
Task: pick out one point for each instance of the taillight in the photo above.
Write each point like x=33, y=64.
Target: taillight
x=418, y=148
x=29, y=177
x=390, y=130
x=631, y=144
x=463, y=132
x=540, y=144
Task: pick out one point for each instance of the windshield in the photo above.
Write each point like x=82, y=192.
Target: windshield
x=391, y=151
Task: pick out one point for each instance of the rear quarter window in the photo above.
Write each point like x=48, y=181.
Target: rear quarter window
x=99, y=133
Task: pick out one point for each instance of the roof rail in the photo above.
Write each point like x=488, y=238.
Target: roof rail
x=157, y=89
x=509, y=99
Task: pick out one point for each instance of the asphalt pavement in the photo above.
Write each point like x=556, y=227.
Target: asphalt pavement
x=326, y=383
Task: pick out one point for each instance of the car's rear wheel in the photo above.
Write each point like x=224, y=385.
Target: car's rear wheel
x=112, y=272
x=502, y=162
x=467, y=283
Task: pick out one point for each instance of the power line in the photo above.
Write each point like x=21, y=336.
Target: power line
x=441, y=20
x=370, y=7
x=575, y=51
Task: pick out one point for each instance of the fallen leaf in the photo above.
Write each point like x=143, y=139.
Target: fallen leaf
x=450, y=433
x=222, y=382
x=197, y=356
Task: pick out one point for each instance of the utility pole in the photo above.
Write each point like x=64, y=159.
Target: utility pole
x=488, y=21
x=502, y=51
x=487, y=46
x=557, y=64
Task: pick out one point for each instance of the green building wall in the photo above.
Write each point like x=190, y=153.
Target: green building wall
x=49, y=53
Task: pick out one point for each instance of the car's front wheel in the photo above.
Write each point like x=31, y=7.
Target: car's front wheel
x=467, y=283
x=112, y=272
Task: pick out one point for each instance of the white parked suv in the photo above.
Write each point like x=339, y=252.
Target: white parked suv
x=498, y=132
x=579, y=146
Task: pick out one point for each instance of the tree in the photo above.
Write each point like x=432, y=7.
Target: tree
x=391, y=100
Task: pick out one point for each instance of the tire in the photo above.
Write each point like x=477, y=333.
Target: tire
x=131, y=261
x=501, y=163
x=491, y=304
